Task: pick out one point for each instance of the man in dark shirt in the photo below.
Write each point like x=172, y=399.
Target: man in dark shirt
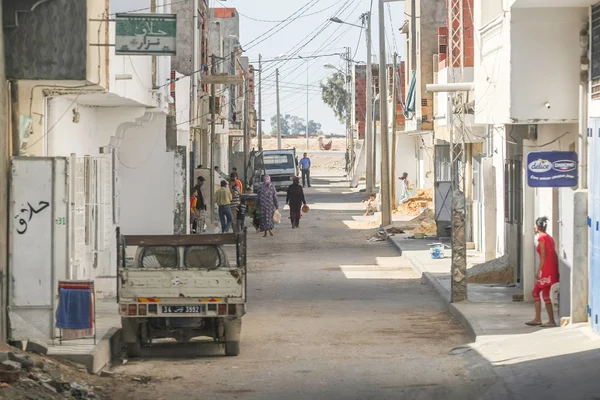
x=200, y=206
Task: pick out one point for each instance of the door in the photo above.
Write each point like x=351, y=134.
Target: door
x=38, y=244
x=594, y=233
x=443, y=184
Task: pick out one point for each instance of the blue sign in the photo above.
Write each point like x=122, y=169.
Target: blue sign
x=552, y=169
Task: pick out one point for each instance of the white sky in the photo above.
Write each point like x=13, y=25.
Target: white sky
x=332, y=40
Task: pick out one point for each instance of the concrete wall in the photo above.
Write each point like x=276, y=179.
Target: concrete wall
x=492, y=67
x=183, y=62
x=556, y=204
x=41, y=37
x=431, y=15
x=535, y=48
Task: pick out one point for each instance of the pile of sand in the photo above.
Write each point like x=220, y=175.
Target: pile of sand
x=497, y=270
x=423, y=198
x=426, y=228
x=423, y=223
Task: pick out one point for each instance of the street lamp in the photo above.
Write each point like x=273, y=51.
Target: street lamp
x=331, y=66
x=369, y=136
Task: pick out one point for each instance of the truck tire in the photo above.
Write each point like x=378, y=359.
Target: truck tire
x=232, y=349
x=233, y=330
x=134, y=350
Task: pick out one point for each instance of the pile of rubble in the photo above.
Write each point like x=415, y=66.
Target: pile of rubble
x=422, y=199
x=31, y=375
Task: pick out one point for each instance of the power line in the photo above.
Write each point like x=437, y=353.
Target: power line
x=283, y=20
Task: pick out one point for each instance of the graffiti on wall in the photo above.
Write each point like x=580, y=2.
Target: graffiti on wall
x=26, y=214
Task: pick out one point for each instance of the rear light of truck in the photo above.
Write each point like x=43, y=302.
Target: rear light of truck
x=232, y=309
x=124, y=309
x=142, y=309
x=132, y=309
x=222, y=309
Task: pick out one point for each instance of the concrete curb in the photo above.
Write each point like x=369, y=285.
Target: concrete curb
x=106, y=349
x=472, y=327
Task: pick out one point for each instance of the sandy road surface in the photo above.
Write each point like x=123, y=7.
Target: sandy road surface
x=330, y=316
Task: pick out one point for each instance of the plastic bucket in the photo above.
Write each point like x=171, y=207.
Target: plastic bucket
x=436, y=251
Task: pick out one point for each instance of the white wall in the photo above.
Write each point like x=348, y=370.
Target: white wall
x=147, y=180
x=498, y=135
x=545, y=63
x=492, y=67
x=406, y=152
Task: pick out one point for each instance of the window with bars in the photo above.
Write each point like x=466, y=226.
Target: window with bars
x=595, y=43
x=513, y=190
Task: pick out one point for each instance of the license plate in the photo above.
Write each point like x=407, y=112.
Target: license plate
x=181, y=309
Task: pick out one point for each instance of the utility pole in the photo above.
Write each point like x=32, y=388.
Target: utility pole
x=394, y=116
x=386, y=207
x=5, y=159
x=260, y=144
x=306, y=104
x=278, y=113
x=349, y=111
x=457, y=147
x=246, y=125
x=369, y=134
x=213, y=138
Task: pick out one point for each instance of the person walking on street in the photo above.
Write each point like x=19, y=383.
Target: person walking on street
x=266, y=202
x=305, y=167
x=200, y=206
x=223, y=200
x=234, y=175
x=347, y=157
x=194, y=213
x=295, y=199
x=547, y=274
x=235, y=202
x=404, y=189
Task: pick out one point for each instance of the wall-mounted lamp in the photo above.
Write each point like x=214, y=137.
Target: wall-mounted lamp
x=547, y=105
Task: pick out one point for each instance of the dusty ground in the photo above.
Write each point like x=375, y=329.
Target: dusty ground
x=270, y=143
x=330, y=316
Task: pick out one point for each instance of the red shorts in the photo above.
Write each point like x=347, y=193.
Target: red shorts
x=544, y=289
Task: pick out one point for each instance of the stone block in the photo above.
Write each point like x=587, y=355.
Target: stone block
x=37, y=347
x=10, y=366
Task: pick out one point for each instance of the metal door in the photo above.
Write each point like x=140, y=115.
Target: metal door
x=38, y=244
x=594, y=233
x=443, y=184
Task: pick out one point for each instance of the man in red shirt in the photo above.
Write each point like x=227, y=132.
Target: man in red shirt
x=547, y=274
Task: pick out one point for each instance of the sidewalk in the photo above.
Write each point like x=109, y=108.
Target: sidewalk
x=489, y=310
x=108, y=340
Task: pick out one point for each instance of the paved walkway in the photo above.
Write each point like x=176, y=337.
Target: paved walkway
x=94, y=356
x=489, y=311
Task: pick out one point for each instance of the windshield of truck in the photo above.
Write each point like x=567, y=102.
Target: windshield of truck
x=160, y=257
x=278, y=161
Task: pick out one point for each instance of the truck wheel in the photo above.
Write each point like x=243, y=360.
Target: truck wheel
x=134, y=350
x=232, y=349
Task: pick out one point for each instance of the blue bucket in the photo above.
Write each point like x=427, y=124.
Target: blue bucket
x=436, y=251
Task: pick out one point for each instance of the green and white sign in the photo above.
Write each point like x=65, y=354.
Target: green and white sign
x=146, y=34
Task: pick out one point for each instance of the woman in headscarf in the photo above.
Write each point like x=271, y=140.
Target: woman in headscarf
x=547, y=274
x=295, y=199
x=266, y=201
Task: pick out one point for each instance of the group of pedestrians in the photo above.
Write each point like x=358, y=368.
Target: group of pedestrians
x=228, y=200
x=231, y=209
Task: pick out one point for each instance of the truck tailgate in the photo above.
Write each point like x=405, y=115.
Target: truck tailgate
x=176, y=283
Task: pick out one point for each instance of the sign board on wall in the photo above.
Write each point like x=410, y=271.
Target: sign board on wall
x=146, y=34
x=552, y=169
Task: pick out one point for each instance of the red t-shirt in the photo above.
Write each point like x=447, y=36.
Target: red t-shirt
x=550, y=274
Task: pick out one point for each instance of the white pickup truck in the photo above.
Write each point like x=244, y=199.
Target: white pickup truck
x=182, y=287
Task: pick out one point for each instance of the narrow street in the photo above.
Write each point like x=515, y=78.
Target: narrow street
x=330, y=316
